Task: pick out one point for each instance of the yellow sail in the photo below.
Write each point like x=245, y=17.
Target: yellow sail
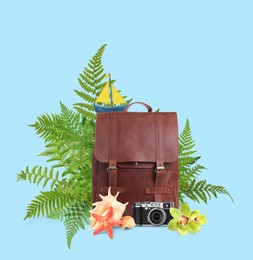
x=104, y=96
x=116, y=97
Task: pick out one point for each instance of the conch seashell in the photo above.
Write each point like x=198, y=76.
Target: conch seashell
x=101, y=208
x=127, y=222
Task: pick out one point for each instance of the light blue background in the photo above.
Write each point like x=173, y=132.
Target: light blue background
x=193, y=57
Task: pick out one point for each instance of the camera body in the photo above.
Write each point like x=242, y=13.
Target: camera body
x=152, y=213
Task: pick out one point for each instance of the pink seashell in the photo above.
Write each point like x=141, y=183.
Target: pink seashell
x=101, y=208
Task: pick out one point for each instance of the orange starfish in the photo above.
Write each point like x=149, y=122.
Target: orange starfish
x=106, y=222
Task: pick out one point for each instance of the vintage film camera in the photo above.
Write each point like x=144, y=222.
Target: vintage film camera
x=152, y=213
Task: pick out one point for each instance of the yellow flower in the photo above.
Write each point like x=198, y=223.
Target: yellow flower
x=184, y=221
x=198, y=218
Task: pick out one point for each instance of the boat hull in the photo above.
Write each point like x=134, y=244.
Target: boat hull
x=100, y=109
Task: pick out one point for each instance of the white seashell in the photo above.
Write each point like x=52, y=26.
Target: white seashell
x=101, y=208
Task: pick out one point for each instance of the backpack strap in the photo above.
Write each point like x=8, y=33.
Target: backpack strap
x=112, y=168
x=160, y=171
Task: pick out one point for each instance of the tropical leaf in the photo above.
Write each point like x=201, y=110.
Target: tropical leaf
x=46, y=202
x=200, y=190
x=92, y=82
x=74, y=219
x=186, y=142
x=37, y=175
x=45, y=126
x=190, y=170
x=69, y=141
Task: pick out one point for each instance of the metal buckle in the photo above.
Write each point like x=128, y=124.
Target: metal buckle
x=159, y=168
x=112, y=168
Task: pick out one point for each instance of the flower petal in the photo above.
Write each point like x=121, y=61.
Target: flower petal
x=194, y=214
x=193, y=227
x=202, y=219
x=175, y=213
x=172, y=225
x=185, y=210
x=182, y=230
x=202, y=216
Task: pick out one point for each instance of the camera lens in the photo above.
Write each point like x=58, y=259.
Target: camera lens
x=157, y=216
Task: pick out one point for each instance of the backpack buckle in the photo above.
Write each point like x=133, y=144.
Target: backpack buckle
x=112, y=168
x=159, y=169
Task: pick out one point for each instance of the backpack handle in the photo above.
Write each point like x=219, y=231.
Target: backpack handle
x=149, y=108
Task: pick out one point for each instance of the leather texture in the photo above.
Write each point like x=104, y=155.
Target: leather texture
x=136, y=153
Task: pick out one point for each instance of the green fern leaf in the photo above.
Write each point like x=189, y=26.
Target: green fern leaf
x=45, y=126
x=72, y=227
x=46, y=202
x=186, y=143
x=85, y=106
x=200, y=190
x=193, y=171
x=74, y=219
x=71, y=141
x=37, y=174
x=91, y=82
x=86, y=97
x=191, y=195
x=189, y=171
x=85, y=113
x=186, y=162
x=87, y=86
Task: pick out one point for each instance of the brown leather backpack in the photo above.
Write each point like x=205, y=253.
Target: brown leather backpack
x=136, y=154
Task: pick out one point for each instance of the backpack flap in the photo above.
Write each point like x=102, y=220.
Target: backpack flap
x=133, y=137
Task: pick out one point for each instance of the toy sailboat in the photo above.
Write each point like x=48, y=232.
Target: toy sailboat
x=111, y=98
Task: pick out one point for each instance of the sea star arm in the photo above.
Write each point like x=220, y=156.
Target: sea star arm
x=98, y=229
x=109, y=231
x=106, y=222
